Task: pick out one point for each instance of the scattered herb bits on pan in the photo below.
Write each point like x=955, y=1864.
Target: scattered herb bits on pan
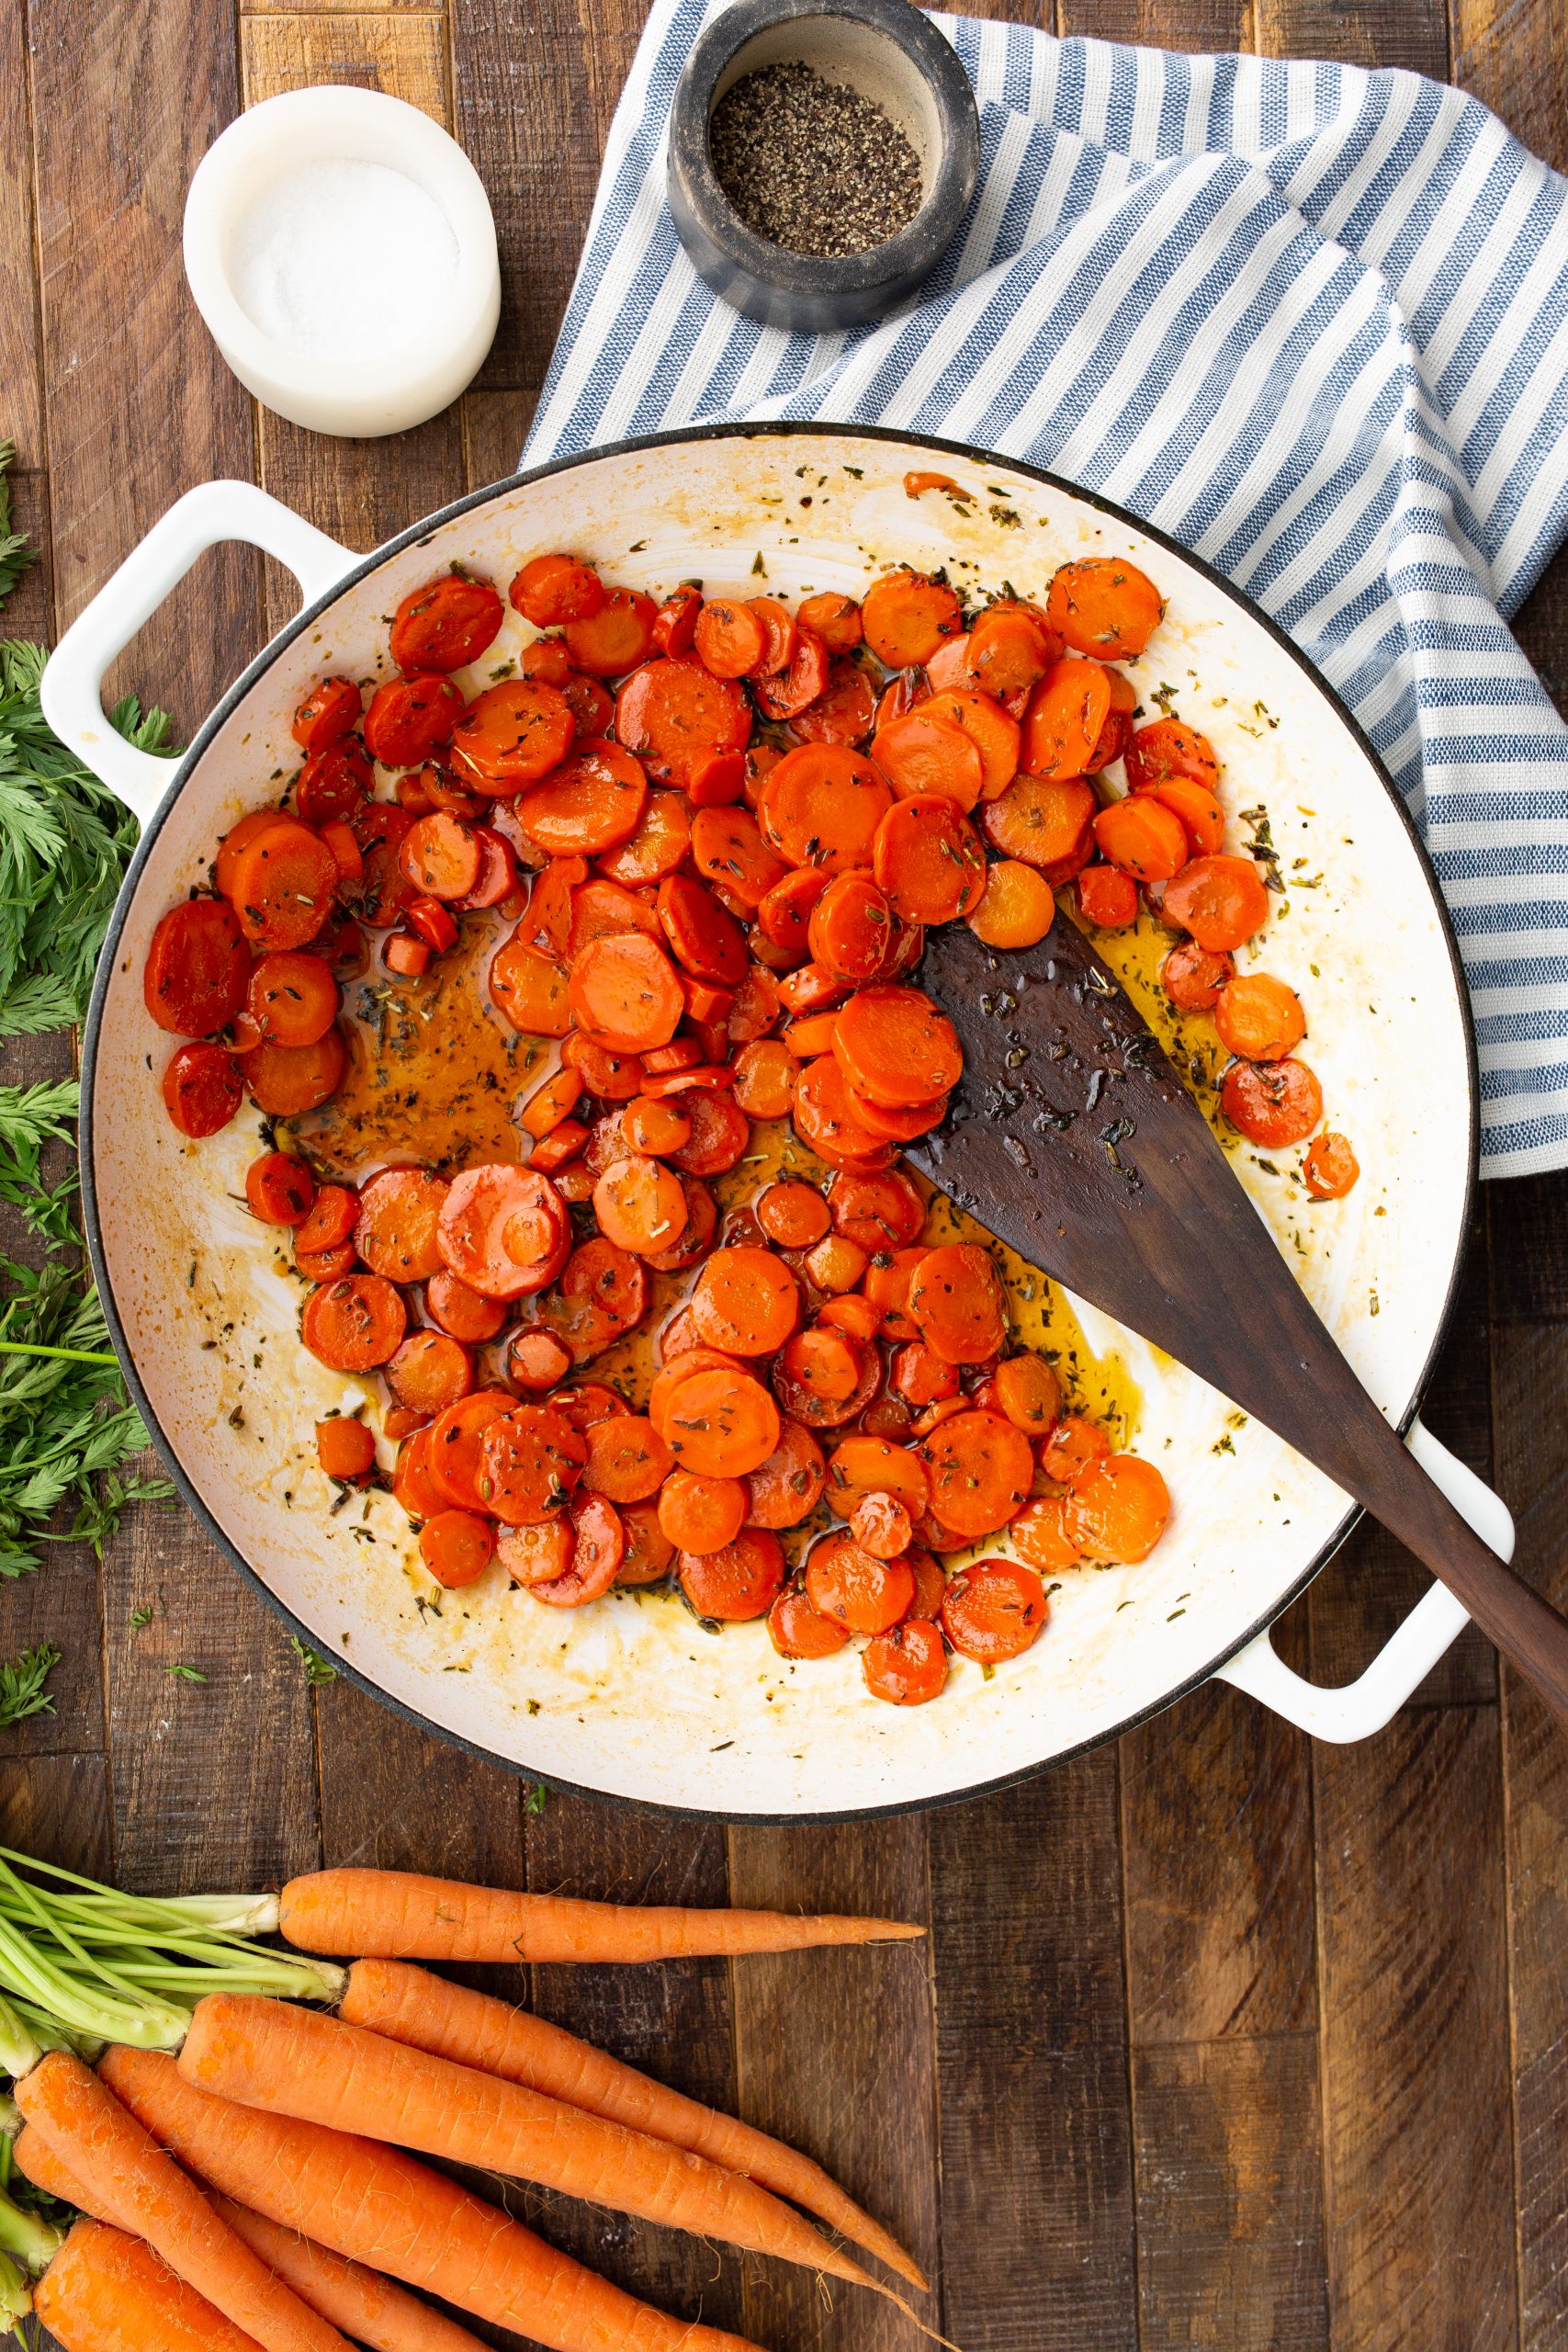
x=812, y=166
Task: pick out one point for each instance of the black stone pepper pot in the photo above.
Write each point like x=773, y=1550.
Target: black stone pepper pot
x=888, y=51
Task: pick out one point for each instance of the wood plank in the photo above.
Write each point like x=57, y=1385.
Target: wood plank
x=1512, y=54
x=27, y=608
x=859, y=2096
x=1531, y=1373
x=401, y=54
x=494, y=428
x=1037, y=2197
x=1230, y=2208
x=1159, y=24
x=534, y=84
x=57, y=1807
x=1415, y=2065
x=672, y=2021
x=1413, y=34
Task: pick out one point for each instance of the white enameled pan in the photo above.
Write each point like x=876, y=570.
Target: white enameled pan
x=631, y=1697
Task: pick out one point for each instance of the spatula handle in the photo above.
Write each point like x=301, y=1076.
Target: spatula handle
x=1527, y=1629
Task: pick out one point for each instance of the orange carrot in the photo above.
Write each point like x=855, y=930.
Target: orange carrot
x=380, y=2206
x=282, y=2059
x=360, y=2302
x=122, y=2169
x=398, y=1915
x=108, y=2292
x=473, y=2029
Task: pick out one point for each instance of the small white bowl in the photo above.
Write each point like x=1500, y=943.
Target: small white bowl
x=387, y=390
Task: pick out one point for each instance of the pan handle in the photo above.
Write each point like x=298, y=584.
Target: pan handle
x=1359, y=1708
x=72, y=689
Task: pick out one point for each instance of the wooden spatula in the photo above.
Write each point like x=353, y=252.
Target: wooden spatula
x=1073, y=1138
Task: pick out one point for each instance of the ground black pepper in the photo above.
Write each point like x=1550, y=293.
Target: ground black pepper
x=810, y=164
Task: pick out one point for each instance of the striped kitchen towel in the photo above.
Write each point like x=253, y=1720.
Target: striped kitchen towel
x=1311, y=321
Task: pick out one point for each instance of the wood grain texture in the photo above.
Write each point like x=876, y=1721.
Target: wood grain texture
x=1160, y=23
x=400, y=52
x=1037, y=2208
x=1532, y=1467
x=57, y=1807
x=1414, y=2043
x=1514, y=56
x=1409, y=33
x=834, y=2053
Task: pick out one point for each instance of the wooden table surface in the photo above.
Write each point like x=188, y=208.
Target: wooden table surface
x=1218, y=2038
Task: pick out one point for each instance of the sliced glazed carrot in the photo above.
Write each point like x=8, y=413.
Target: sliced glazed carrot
x=825, y=1121
x=198, y=967
x=593, y=801
x=1221, y=900
x=430, y=1372
x=797, y=1629
x=957, y=1301
x=981, y=1469
x=1107, y=897
x=411, y=1481
x=537, y=1554
x=705, y=938
x=1075, y=1445
x=531, y=991
x=858, y=1591
x=649, y=1553
x=928, y=858
x=627, y=1458
x=624, y=992
x=279, y=1190
x=655, y=1124
x=787, y=1487
x=780, y=632
x=845, y=710
x=821, y=807
x=676, y=714
x=1259, y=1018
x=657, y=847
x=354, y=1324
x=552, y=589
x=764, y=1080
x=535, y=1359
x=699, y=1514
x=409, y=719
x=849, y=930
x=328, y=711
x=504, y=1231
x=834, y=618
x=812, y=1371
x=746, y=1301
x=1105, y=606
x=994, y=1610
x=928, y=753
x=1192, y=977
x=874, y=1465
x=449, y=1465
x=795, y=689
x=1029, y=1393
x=1330, y=1168
x=1143, y=837
x=510, y=736
x=727, y=848
x=598, y=1548
x=1203, y=820
x=1016, y=907
x=396, y=1233
x=639, y=1204
x=530, y=1461
x=608, y=643
x=894, y=1046
x=880, y=1212
x=1118, y=1510
x=996, y=735
x=741, y=1581
x=905, y=617
x=721, y=1134
x=1010, y=649
x=675, y=623
x=445, y=624
x=345, y=1448
x=730, y=639
x=1038, y=1536
x=334, y=783
x=292, y=996
x=456, y=1546
x=281, y=885
x=906, y=1666
x=1041, y=820
x=1272, y=1104
x=287, y=1081
x=1065, y=713
x=1166, y=749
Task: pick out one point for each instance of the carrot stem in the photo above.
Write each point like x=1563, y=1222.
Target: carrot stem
x=66, y=1355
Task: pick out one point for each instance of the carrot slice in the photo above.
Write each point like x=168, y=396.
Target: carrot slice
x=430, y=1372
x=627, y=1458
x=354, y=1324
x=448, y=1468
x=1065, y=713
x=926, y=754
x=1041, y=820
x=700, y=1514
x=512, y=735
x=504, y=1231
x=1203, y=818
x=1166, y=749
x=530, y=990
x=328, y=711
x=1029, y=1393
x=1259, y=1018
x=797, y=1629
x=855, y=1588
x=594, y=801
x=825, y=1121
x=196, y=970
x=895, y=1047
x=286, y=1081
x=1192, y=977
x=707, y=940
x=624, y=992
x=1105, y=606
x=445, y=624
x=530, y=1460
x=721, y=1425
x=850, y=932
x=1016, y=907
x=1038, y=1536
x=1143, y=837
x=1107, y=898
x=874, y=1465
x=639, y=1204
x=834, y=618
x=1118, y=1512
x=821, y=807
x=957, y=1301
x=676, y=714
x=279, y=1190
x=1221, y=900
x=727, y=848
x=739, y=1582
x=764, y=1080
x=456, y=1546
x=995, y=733
x=994, y=1610
x=1330, y=1168
x=845, y=710
x=905, y=617
x=281, y=885
x=746, y=1301
x=1012, y=646
x=795, y=689
x=721, y=1134
x=409, y=719
x=649, y=1553
x=397, y=1232
x=292, y=996
x=787, y=1487
x=880, y=1212
x=657, y=847
x=981, y=1470
x=730, y=639
x=928, y=858
x=1272, y=1104
x=554, y=588
x=906, y=1666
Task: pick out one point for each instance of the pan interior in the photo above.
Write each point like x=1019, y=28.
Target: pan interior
x=634, y=1697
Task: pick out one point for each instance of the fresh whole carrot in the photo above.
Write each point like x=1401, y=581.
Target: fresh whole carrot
x=278, y=2057
x=123, y=2169
x=361, y=2301
x=108, y=2292
x=450, y=2021
x=379, y=2207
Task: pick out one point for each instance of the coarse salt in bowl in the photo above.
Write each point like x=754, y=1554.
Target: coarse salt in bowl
x=341, y=251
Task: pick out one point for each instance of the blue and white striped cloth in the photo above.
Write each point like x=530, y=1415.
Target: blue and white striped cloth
x=1311, y=321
